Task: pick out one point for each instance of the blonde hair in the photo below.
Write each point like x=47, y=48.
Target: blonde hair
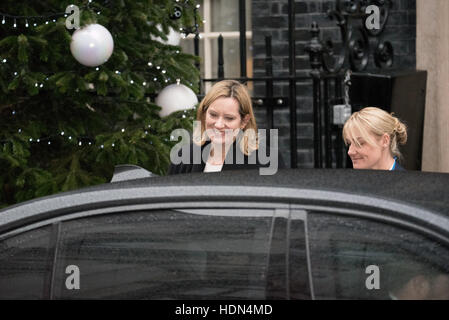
x=375, y=121
x=229, y=89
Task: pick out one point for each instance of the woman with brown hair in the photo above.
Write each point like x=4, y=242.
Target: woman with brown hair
x=373, y=136
x=225, y=134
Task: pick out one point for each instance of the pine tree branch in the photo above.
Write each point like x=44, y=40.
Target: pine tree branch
x=19, y=101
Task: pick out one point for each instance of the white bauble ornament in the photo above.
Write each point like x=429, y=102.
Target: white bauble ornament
x=176, y=97
x=173, y=37
x=92, y=45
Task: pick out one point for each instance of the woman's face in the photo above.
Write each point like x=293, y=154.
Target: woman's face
x=223, y=120
x=367, y=156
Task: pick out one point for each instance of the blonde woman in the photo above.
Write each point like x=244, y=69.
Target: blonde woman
x=225, y=137
x=373, y=136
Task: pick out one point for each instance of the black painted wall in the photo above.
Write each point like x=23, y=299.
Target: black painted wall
x=271, y=18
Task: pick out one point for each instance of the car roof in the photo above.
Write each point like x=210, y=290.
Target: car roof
x=425, y=189
x=422, y=190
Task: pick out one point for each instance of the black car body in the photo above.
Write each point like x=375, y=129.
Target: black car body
x=299, y=234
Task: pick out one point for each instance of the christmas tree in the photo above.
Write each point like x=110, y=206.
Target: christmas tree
x=65, y=125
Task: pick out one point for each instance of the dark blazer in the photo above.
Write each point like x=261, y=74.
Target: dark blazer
x=230, y=163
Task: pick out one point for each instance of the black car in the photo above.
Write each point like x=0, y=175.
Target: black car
x=299, y=234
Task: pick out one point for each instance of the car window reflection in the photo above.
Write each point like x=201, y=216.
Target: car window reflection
x=348, y=253
x=25, y=265
x=166, y=254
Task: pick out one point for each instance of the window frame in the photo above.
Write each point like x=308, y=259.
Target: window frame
x=359, y=213
x=208, y=36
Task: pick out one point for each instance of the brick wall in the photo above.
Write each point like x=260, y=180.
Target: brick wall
x=271, y=18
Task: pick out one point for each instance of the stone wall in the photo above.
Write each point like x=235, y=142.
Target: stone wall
x=433, y=56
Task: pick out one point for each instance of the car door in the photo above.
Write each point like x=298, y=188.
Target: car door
x=186, y=251
x=26, y=260
x=361, y=254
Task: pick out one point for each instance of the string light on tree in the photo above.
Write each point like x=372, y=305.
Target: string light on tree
x=79, y=141
x=46, y=17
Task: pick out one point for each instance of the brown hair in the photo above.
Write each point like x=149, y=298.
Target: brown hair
x=375, y=121
x=238, y=91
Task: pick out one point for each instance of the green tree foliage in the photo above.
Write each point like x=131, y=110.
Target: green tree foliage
x=61, y=123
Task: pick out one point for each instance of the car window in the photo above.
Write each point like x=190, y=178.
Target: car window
x=357, y=258
x=165, y=254
x=25, y=265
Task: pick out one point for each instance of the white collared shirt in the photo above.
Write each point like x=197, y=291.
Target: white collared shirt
x=213, y=167
x=393, y=165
